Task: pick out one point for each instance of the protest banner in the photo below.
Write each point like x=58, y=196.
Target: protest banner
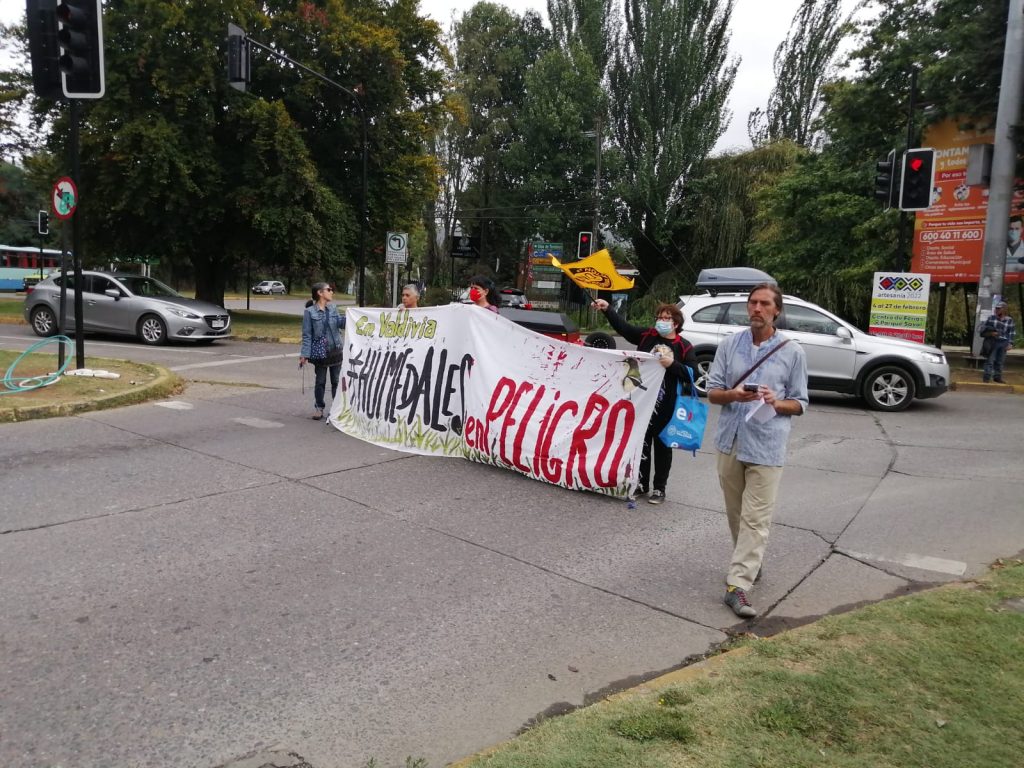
x=459, y=380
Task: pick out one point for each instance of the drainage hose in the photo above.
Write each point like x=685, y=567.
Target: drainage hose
x=14, y=383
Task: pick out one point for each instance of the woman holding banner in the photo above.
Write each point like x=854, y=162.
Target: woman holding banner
x=674, y=352
x=321, y=343
x=483, y=293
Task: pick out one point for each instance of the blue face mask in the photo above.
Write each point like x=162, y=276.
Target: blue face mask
x=664, y=327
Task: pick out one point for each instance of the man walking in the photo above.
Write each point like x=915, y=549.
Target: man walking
x=760, y=379
x=998, y=330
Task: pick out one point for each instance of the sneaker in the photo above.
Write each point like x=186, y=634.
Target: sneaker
x=736, y=599
x=657, y=497
x=985, y=379
x=998, y=380
x=318, y=414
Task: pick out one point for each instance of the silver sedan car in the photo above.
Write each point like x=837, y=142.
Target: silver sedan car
x=129, y=305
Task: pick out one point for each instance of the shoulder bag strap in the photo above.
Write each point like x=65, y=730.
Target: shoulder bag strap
x=759, y=363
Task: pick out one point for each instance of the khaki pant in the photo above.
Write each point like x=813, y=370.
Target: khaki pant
x=749, y=491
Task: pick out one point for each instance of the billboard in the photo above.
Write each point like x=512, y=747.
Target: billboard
x=950, y=235
x=899, y=305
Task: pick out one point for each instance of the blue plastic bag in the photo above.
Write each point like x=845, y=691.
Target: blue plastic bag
x=686, y=428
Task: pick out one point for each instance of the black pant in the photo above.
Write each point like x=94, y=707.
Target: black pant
x=662, y=453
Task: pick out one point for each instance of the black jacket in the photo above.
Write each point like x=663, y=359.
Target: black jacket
x=647, y=338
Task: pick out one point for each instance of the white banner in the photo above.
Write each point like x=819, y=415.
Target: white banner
x=459, y=380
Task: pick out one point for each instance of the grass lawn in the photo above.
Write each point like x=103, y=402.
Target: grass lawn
x=11, y=308
x=71, y=392
x=933, y=680
x=251, y=324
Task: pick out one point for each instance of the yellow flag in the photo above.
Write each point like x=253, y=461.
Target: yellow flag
x=596, y=272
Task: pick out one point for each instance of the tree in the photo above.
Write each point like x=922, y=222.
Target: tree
x=802, y=63
x=205, y=178
x=495, y=49
x=669, y=85
x=589, y=26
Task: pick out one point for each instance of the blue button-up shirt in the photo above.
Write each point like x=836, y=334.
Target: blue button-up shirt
x=785, y=373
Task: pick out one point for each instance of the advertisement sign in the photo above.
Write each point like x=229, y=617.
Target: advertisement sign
x=899, y=305
x=950, y=235
x=458, y=380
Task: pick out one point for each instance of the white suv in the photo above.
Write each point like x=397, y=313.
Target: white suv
x=270, y=286
x=889, y=373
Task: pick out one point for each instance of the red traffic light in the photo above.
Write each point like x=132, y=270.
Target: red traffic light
x=916, y=163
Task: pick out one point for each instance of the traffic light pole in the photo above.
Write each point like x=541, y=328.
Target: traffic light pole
x=364, y=214
x=76, y=234
x=901, y=252
x=1004, y=157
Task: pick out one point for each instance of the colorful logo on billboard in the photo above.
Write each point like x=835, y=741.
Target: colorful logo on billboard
x=897, y=283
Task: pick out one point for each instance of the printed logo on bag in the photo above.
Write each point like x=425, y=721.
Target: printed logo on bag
x=682, y=414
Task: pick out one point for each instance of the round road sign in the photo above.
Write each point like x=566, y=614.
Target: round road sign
x=65, y=197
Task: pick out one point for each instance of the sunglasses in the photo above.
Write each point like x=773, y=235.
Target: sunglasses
x=327, y=289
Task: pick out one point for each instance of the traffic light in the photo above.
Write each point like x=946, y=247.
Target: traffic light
x=918, y=179
x=239, y=72
x=43, y=224
x=583, y=246
x=80, y=38
x=42, y=48
x=886, y=183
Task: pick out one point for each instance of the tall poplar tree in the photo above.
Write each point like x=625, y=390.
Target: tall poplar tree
x=669, y=84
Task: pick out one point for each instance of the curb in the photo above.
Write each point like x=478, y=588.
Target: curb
x=991, y=388
x=164, y=385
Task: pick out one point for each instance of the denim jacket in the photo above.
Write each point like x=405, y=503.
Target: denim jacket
x=316, y=322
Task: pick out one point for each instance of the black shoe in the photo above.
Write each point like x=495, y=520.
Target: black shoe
x=998, y=380
x=985, y=379
x=657, y=497
x=318, y=414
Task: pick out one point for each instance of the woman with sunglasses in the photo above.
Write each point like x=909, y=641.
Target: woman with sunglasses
x=321, y=343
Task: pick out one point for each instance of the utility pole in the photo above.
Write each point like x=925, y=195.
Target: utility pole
x=1004, y=158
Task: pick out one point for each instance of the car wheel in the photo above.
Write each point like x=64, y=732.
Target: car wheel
x=600, y=340
x=889, y=388
x=700, y=379
x=152, y=330
x=44, y=322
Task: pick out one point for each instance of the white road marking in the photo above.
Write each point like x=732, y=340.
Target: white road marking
x=258, y=423
x=236, y=361
x=177, y=405
x=909, y=559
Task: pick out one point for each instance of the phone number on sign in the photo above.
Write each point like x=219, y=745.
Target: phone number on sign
x=952, y=234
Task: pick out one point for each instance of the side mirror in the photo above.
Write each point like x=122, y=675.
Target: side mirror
x=113, y=293
x=844, y=333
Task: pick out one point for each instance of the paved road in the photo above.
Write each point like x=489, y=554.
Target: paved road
x=192, y=581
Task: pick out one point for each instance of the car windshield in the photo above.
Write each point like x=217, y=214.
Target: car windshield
x=147, y=286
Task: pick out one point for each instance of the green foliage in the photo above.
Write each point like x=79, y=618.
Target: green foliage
x=821, y=237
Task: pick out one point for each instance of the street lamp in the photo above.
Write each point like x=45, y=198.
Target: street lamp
x=596, y=135
x=239, y=76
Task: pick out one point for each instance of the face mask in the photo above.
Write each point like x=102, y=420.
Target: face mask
x=664, y=327
x=475, y=294
x=1014, y=236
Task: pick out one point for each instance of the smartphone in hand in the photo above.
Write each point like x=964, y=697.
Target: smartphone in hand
x=750, y=387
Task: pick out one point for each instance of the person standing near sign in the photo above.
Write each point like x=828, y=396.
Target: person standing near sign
x=483, y=293
x=760, y=380
x=321, y=343
x=673, y=353
x=998, y=332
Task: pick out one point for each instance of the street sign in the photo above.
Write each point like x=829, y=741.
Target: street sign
x=65, y=197
x=397, y=248
x=465, y=247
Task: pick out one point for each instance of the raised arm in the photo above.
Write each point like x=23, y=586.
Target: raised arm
x=630, y=333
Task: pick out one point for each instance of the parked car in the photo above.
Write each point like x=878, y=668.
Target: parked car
x=269, y=287
x=129, y=305
x=887, y=372
x=515, y=298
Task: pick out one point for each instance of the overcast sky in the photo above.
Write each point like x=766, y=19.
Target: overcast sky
x=758, y=26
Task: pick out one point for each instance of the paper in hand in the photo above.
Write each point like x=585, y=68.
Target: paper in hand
x=760, y=412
